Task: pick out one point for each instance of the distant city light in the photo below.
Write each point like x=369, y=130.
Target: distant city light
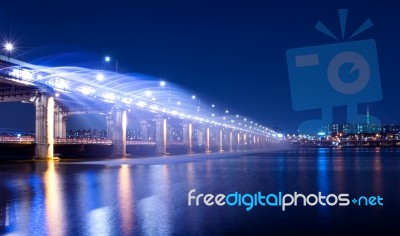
x=163, y=83
x=213, y=105
x=193, y=96
x=148, y=93
x=227, y=111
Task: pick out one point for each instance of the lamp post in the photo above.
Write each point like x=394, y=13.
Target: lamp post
x=108, y=59
x=163, y=83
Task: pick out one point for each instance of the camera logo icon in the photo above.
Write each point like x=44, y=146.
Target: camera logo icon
x=338, y=74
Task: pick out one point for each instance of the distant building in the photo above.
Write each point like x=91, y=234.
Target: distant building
x=361, y=128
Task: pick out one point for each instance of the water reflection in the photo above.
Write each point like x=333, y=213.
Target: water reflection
x=377, y=172
x=55, y=218
x=126, y=197
x=155, y=210
x=48, y=198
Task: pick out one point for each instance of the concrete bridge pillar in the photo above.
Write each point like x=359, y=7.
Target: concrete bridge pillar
x=144, y=128
x=220, y=139
x=161, y=134
x=258, y=142
x=187, y=135
x=264, y=142
x=44, y=108
x=207, y=141
x=229, y=140
x=60, y=124
x=238, y=141
x=119, y=132
x=64, y=127
x=244, y=141
x=254, y=142
x=110, y=125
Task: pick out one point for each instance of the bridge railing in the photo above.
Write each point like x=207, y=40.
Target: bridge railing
x=15, y=139
x=82, y=141
x=140, y=142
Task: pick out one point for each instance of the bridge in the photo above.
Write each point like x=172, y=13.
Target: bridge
x=159, y=110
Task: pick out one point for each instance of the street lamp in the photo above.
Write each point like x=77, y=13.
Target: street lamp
x=108, y=60
x=9, y=47
x=163, y=84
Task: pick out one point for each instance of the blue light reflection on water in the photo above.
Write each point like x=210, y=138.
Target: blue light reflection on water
x=123, y=198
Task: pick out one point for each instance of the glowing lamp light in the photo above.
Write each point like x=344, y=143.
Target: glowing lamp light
x=107, y=59
x=100, y=77
x=9, y=47
x=163, y=83
x=61, y=84
x=141, y=104
x=109, y=96
x=126, y=100
x=148, y=93
x=86, y=90
x=154, y=107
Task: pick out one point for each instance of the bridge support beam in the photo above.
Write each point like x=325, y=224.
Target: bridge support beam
x=161, y=134
x=230, y=140
x=144, y=128
x=119, y=132
x=187, y=135
x=244, y=141
x=110, y=125
x=64, y=127
x=60, y=123
x=238, y=141
x=44, y=107
x=220, y=139
x=207, y=141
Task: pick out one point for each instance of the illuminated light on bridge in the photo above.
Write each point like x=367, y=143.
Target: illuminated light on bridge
x=100, y=77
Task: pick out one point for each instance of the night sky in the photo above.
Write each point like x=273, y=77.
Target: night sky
x=231, y=53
